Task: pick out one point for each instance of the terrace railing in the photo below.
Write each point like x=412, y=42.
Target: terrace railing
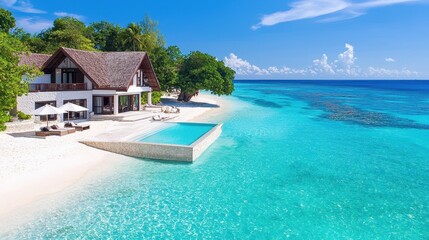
x=52, y=87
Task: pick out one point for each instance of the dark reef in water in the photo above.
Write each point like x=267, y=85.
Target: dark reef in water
x=344, y=113
x=341, y=106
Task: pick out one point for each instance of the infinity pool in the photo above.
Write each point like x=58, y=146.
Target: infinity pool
x=178, y=134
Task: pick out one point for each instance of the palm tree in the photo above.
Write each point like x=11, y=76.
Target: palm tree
x=133, y=36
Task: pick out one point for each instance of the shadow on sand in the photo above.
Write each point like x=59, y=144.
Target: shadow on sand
x=29, y=134
x=174, y=102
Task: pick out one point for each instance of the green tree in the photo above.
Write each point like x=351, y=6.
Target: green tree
x=67, y=32
x=14, y=79
x=7, y=21
x=152, y=37
x=34, y=43
x=156, y=97
x=200, y=71
x=166, y=62
x=106, y=36
x=144, y=36
x=132, y=37
x=37, y=45
x=20, y=34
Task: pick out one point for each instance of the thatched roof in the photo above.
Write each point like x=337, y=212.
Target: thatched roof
x=107, y=70
x=33, y=59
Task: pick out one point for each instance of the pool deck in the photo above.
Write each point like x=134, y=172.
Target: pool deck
x=121, y=141
x=132, y=116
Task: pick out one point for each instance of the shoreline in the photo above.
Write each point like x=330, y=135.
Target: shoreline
x=36, y=168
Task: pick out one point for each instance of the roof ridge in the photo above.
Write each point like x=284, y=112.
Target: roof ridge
x=31, y=53
x=127, y=52
x=80, y=50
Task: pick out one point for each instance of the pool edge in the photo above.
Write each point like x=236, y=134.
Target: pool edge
x=169, y=152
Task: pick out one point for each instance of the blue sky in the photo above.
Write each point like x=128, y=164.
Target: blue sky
x=272, y=39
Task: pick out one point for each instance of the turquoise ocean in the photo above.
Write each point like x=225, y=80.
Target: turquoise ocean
x=296, y=159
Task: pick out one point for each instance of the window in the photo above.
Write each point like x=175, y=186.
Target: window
x=103, y=105
x=97, y=105
x=48, y=117
x=128, y=103
x=124, y=103
x=76, y=115
x=140, y=78
x=71, y=75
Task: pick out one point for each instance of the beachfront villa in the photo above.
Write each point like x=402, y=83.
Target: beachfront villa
x=106, y=83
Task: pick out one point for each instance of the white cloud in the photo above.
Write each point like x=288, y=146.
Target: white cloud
x=348, y=57
x=306, y=9
x=65, y=14
x=33, y=25
x=244, y=68
x=322, y=65
x=379, y=3
x=390, y=60
x=346, y=60
x=344, y=66
x=7, y=3
x=394, y=73
x=21, y=5
x=302, y=10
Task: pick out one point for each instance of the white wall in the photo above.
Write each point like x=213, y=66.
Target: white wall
x=88, y=82
x=66, y=63
x=26, y=104
x=136, y=90
x=103, y=92
x=46, y=78
x=58, y=76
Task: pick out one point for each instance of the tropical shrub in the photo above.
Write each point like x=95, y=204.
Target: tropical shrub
x=156, y=97
x=23, y=116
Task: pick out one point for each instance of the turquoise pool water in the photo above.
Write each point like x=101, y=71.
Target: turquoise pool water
x=298, y=160
x=179, y=133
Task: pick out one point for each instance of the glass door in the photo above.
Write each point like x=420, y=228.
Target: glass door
x=103, y=105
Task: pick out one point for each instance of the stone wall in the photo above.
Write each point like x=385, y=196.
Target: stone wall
x=205, y=141
x=146, y=150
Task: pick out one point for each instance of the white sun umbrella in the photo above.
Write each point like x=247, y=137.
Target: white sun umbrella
x=71, y=107
x=48, y=110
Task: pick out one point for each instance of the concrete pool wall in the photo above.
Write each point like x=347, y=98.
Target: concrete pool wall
x=158, y=151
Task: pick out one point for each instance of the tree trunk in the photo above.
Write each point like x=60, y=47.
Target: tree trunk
x=186, y=97
x=14, y=111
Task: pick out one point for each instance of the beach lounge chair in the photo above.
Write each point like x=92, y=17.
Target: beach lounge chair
x=82, y=127
x=78, y=127
x=159, y=118
x=169, y=109
x=175, y=110
x=49, y=131
x=57, y=128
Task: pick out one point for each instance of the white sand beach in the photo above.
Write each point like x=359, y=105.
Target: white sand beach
x=33, y=167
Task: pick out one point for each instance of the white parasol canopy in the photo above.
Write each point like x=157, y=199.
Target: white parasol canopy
x=71, y=107
x=48, y=110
